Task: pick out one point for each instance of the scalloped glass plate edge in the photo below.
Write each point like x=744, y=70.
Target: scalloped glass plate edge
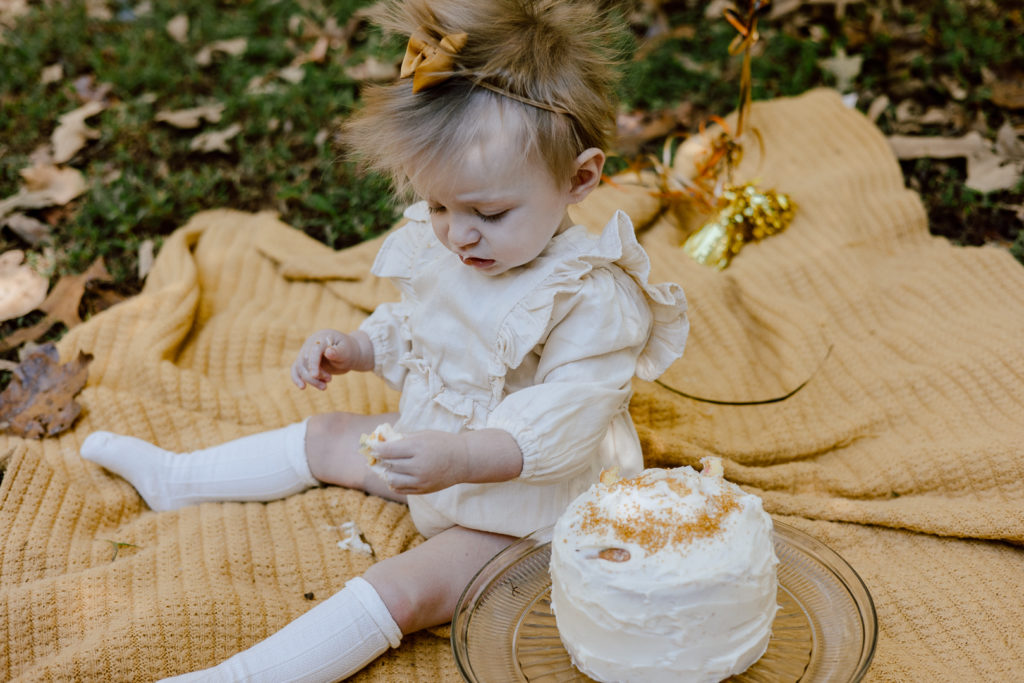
x=810, y=575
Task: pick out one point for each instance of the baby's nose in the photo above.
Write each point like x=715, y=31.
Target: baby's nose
x=462, y=233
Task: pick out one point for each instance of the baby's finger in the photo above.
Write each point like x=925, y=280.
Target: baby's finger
x=295, y=376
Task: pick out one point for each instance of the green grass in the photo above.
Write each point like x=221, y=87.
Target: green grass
x=145, y=181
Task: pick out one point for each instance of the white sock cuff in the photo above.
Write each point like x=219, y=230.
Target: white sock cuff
x=295, y=450
x=371, y=601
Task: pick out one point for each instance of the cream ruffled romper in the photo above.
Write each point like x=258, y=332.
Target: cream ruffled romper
x=546, y=352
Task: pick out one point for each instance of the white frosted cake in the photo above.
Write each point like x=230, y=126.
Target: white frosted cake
x=667, y=576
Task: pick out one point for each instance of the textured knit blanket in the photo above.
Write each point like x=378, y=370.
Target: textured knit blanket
x=904, y=451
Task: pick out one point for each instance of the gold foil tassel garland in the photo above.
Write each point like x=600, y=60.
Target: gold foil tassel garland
x=746, y=214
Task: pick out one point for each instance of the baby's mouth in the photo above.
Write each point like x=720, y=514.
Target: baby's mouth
x=477, y=262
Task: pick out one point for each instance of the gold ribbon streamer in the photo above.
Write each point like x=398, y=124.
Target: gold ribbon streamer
x=758, y=402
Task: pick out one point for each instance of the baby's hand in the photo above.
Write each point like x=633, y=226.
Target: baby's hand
x=423, y=462
x=323, y=354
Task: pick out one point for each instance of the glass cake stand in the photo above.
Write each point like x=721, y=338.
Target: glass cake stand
x=825, y=630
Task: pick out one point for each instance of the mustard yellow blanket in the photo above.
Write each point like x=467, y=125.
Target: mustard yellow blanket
x=904, y=452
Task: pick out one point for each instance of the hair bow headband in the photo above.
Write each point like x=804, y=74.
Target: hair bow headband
x=431, y=60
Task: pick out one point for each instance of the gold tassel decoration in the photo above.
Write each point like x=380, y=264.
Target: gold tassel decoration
x=746, y=214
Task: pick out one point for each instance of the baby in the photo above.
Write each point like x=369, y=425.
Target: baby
x=514, y=344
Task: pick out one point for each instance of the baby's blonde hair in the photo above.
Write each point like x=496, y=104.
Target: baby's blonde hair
x=557, y=52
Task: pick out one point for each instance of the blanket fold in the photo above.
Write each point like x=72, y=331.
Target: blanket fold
x=904, y=450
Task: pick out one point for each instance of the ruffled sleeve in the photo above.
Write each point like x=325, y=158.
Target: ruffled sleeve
x=531, y=317
x=581, y=380
x=597, y=322
x=403, y=250
x=670, y=327
x=399, y=258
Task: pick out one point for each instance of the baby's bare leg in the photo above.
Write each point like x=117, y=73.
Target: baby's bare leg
x=332, y=451
x=421, y=586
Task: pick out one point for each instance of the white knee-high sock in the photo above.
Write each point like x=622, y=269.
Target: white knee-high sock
x=259, y=467
x=330, y=642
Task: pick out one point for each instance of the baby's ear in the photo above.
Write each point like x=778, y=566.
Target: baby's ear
x=587, y=176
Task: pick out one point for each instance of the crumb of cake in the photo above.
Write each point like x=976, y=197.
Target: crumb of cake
x=369, y=442
x=609, y=477
x=711, y=466
x=614, y=555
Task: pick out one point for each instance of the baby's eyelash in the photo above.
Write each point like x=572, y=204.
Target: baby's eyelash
x=492, y=217
x=435, y=209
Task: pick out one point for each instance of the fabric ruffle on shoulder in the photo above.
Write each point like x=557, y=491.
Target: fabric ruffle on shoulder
x=529, y=319
x=404, y=249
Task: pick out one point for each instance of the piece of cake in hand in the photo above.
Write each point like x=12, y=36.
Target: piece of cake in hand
x=368, y=444
x=666, y=576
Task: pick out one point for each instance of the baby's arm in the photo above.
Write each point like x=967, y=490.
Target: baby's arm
x=329, y=352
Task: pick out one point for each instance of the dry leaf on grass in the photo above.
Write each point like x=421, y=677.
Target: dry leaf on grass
x=98, y=9
x=989, y=168
x=45, y=185
x=22, y=289
x=315, y=54
x=10, y=10
x=845, y=68
x=61, y=184
x=372, y=70
x=215, y=141
x=71, y=133
x=88, y=90
x=60, y=306
x=31, y=230
x=146, y=258
x=292, y=74
x=232, y=46
x=177, y=28
x=52, y=74
x=191, y=118
x=40, y=400
x=1009, y=93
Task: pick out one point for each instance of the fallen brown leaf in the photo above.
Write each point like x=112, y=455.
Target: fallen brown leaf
x=315, y=54
x=372, y=70
x=40, y=400
x=52, y=74
x=98, y=9
x=89, y=91
x=62, y=184
x=845, y=68
x=60, y=305
x=72, y=134
x=22, y=289
x=1009, y=94
x=177, y=28
x=215, y=141
x=45, y=185
x=27, y=228
x=10, y=10
x=988, y=170
x=146, y=258
x=66, y=296
x=231, y=46
x=191, y=118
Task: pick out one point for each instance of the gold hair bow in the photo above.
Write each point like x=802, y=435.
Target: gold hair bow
x=430, y=61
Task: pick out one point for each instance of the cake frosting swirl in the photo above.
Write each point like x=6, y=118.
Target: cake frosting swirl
x=667, y=576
